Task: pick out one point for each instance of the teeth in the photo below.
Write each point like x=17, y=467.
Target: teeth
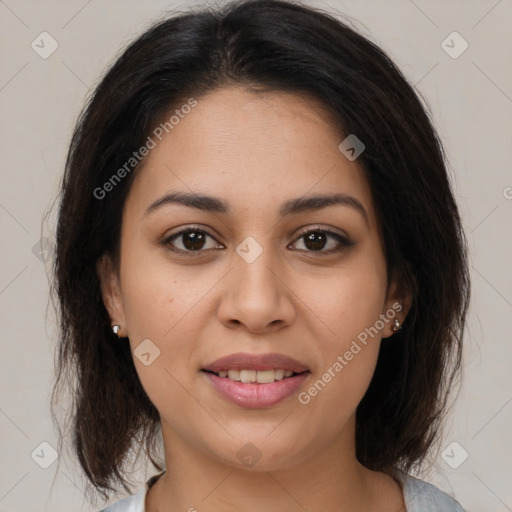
x=264, y=377
x=259, y=376
x=248, y=375
x=234, y=375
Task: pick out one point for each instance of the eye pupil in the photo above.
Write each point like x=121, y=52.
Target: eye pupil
x=193, y=240
x=317, y=239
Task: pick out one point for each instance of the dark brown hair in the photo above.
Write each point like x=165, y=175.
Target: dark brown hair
x=270, y=45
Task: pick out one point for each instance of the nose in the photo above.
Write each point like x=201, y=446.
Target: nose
x=256, y=296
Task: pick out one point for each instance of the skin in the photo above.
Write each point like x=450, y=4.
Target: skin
x=254, y=151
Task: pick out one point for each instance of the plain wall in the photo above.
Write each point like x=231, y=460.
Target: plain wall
x=471, y=101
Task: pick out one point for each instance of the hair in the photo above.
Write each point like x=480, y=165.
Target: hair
x=267, y=45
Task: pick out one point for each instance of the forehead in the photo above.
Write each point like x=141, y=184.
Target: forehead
x=255, y=150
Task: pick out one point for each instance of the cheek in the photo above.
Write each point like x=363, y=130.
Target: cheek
x=350, y=300
x=163, y=307
x=347, y=360
x=160, y=298
x=349, y=306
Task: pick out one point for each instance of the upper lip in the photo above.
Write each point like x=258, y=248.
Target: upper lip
x=247, y=361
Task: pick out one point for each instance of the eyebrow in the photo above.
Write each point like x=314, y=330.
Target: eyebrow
x=291, y=207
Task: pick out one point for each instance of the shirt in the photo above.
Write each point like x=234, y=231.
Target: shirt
x=419, y=496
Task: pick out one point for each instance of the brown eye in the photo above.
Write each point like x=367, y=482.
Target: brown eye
x=193, y=240
x=190, y=240
x=316, y=240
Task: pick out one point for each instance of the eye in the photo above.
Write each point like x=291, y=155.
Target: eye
x=191, y=239
x=317, y=239
x=194, y=240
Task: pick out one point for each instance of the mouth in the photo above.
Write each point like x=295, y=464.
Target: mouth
x=256, y=381
x=246, y=362
x=248, y=376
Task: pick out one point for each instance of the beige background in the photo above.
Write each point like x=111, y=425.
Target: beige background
x=471, y=100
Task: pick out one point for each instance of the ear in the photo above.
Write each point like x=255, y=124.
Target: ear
x=397, y=305
x=111, y=292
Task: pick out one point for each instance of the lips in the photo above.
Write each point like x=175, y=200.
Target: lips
x=246, y=361
x=256, y=380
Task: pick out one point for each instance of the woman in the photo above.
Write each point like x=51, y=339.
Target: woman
x=259, y=256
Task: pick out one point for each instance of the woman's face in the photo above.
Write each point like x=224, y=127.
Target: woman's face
x=257, y=274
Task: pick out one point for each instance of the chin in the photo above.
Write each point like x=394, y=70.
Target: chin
x=261, y=454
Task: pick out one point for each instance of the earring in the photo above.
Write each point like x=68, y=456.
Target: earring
x=115, y=330
x=396, y=325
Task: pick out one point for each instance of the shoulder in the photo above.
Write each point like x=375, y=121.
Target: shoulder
x=133, y=503
x=420, y=496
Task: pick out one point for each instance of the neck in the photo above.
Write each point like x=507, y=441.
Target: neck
x=328, y=479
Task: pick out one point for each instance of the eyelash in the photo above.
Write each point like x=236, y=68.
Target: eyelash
x=343, y=242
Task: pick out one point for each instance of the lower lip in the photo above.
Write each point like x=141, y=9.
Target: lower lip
x=255, y=396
